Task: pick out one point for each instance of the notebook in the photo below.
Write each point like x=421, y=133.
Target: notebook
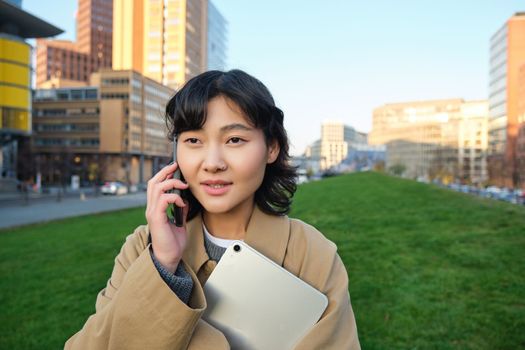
x=257, y=304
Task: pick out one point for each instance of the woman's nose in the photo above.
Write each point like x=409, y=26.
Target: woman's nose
x=214, y=161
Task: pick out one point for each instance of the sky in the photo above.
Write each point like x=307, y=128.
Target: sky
x=338, y=60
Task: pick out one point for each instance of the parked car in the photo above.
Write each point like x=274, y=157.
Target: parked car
x=301, y=176
x=519, y=196
x=114, y=187
x=464, y=188
x=505, y=195
x=493, y=192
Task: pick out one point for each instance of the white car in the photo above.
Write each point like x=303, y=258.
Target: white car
x=114, y=187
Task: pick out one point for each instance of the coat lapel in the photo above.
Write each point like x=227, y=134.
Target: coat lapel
x=195, y=254
x=268, y=234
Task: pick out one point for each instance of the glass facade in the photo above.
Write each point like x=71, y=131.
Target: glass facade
x=66, y=94
x=217, y=38
x=498, y=92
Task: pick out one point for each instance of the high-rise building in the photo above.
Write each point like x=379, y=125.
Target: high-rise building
x=520, y=138
x=444, y=139
x=16, y=25
x=217, y=38
x=164, y=40
x=507, y=54
x=112, y=130
x=95, y=30
x=72, y=62
x=128, y=35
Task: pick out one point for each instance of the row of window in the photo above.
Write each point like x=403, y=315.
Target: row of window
x=115, y=81
x=67, y=142
x=63, y=112
x=67, y=127
x=164, y=95
x=66, y=94
x=118, y=96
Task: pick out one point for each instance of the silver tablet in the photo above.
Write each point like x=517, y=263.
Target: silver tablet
x=257, y=304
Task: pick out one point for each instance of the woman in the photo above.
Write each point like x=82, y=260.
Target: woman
x=232, y=151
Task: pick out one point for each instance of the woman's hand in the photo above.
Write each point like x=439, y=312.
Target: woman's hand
x=168, y=241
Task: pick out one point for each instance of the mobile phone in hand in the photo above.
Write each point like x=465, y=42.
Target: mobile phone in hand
x=176, y=212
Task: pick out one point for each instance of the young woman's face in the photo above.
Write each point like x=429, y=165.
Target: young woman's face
x=224, y=162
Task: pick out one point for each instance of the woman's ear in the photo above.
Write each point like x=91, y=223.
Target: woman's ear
x=273, y=151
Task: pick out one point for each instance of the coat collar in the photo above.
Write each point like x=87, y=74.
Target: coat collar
x=266, y=233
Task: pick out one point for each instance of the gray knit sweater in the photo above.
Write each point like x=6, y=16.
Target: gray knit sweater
x=180, y=282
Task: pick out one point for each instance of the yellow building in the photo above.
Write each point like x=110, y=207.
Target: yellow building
x=15, y=85
x=163, y=40
x=15, y=82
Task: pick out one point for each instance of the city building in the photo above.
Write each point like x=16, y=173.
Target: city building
x=472, y=141
x=520, y=138
x=16, y=25
x=112, y=130
x=334, y=146
x=69, y=61
x=443, y=139
x=217, y=38
x=507, y=55
x=363, y=158
x=167, y=41
x=337, y=140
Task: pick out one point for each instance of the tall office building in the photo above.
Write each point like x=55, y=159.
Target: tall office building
x=217, y=38
x=520, y=139
x=113, y=129
x=507, y=54
x=16, y=25
x=63, y=62
x=444, y=139
x=95, y=30
x=168, y=43
x=128, y=34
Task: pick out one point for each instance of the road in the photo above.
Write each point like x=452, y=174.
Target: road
x=19, y=213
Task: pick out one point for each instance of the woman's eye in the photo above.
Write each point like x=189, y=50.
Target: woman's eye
x=235, y=140
x=192, y=140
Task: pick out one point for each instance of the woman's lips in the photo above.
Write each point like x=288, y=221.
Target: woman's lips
x=215, y=189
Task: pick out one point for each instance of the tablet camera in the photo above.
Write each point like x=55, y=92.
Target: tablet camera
x=237, y=248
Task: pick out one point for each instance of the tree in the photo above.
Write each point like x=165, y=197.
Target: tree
x=398, y=169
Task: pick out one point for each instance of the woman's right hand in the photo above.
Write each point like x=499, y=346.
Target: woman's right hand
x=168, y=241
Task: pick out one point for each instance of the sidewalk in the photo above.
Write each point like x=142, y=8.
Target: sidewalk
x=19, y=214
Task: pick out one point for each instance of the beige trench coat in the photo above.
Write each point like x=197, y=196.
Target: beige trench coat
x=137, y=309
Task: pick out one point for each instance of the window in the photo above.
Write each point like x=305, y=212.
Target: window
x=91, y=94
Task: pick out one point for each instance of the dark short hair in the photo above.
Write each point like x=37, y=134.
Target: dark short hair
x=186, y=111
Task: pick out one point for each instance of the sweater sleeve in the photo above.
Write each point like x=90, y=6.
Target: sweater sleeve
x=180, y=282
x=138, y=310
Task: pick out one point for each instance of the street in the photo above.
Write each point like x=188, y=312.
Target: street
x=20, y=214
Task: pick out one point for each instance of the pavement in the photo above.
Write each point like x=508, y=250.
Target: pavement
x=19, y=213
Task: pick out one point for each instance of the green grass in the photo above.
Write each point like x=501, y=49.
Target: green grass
x=429, y=268
x=50, y=275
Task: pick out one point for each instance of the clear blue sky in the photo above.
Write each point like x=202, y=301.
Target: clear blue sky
x=338, y=60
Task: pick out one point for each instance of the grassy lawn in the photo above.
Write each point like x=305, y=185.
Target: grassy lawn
x=429, y=268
